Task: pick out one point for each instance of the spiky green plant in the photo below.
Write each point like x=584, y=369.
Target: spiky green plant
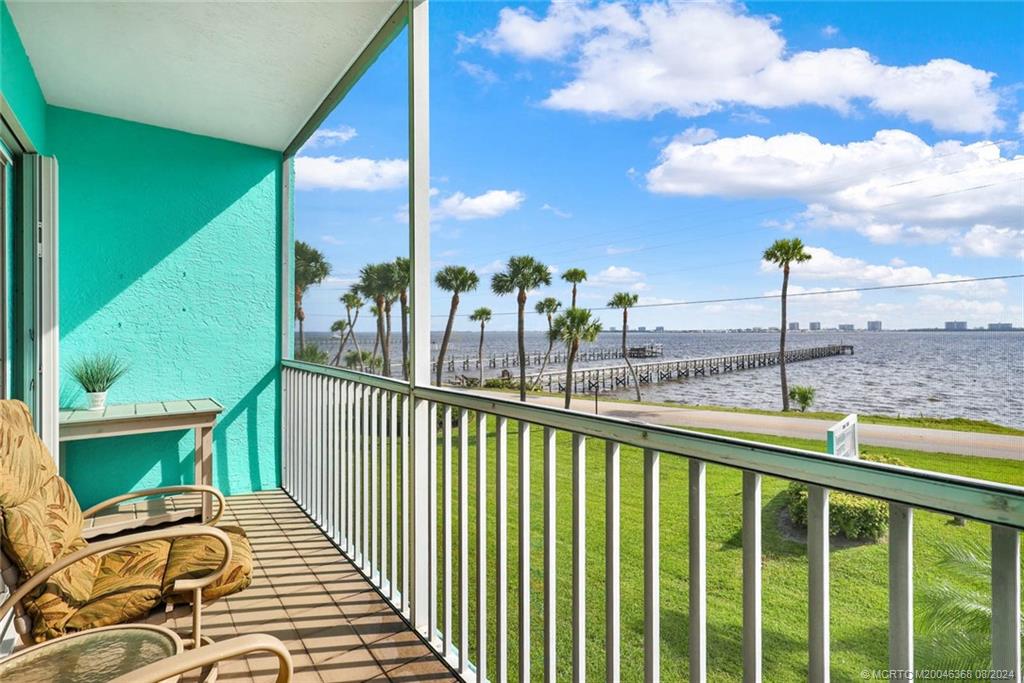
x=97, y=374
x=802, y=395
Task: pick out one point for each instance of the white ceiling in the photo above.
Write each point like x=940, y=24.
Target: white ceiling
x=252, y=72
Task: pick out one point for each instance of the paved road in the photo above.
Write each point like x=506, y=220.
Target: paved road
x=933, y=440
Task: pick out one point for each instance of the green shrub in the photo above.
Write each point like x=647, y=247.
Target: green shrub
x=853, y=517
x=803, y=396
x=312, y=354
x=507, y=383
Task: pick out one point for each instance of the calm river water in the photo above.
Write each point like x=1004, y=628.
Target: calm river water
x=978, y=375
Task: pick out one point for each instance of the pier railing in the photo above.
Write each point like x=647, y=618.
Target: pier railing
x=350, y=461
x=589, y=380
x=558, y=357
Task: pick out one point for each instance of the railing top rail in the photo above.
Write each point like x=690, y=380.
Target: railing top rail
x=985, y=501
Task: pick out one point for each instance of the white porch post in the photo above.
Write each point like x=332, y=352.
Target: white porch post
x=419, y=346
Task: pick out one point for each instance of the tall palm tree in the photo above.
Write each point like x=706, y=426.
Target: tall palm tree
x=394, y=286
x=783, y=253
x=376, y=283
x=625, y=300
x=572, y=327
x=340, y=327
x=481, y=315
x=521, y=274
x=311, y=268
x=353, y=302
x=575, y=276
x=402, y=275
x=547, y=307
x=454, y=279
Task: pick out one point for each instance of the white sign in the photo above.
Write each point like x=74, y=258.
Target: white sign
x=842, y=438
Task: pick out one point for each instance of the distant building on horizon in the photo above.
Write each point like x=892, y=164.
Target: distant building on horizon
x=613, y=329
x=956, y=325
x=1000, y=327
x=874, y=326
x=846, y=328
x=814, y=327
x=794, y=327
x=659, y=328
x=642, y=328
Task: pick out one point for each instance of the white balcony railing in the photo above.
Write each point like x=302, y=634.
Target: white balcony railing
x=346, y=461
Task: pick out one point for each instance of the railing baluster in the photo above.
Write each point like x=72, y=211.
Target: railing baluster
x=612, y=502
x=817, y=579
x=446, y=588
x=698, y=572
x=652, y=566
x=524, y=551
x=332, y=460
x=406, y=513
x=501, y=549
x=374, y=556
x=463, y=541
x=751, y=577
x=350, y=468
x=1006, y=655
x=317, y=438
x=381, y=485
x=901, y=587
x=360, y=455
x=550, y=542
x=393, y=498
x=579, y=558
x=481, y=545
x=432, y=517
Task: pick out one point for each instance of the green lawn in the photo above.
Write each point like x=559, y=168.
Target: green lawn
x=859, y=574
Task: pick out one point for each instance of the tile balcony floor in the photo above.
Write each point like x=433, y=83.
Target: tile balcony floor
x=312, y=598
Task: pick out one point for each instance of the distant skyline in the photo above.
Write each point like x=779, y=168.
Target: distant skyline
x=662, y=147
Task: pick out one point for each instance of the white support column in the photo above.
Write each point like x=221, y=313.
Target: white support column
x=419, y=301
x=613, y=591
x=652, y=566
x=751, y=577
x=698, y=572
x=901, y=587
x=817, y=579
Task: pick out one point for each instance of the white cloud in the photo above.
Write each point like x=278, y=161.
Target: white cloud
x=619, y=277
x=826, y=265
x=833, y=294
x=830, y=31
x=749, y=117
x=478, y=72
x=555, y=210
x=1020, y=123
x=692, y=58
x=949, y=306
x=615, y=251
x=330, y=136
x=349, y=173
x=331, y=239
x=892, y=188
x=992, y=242
x=490, y=204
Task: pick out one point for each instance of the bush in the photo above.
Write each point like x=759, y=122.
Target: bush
x=803, y=396
x=854, y=517
x=507, y=383
x=312, y=354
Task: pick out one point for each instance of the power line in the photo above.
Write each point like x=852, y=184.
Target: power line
x=762, y=297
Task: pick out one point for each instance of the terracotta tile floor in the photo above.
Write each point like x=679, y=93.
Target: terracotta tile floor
x=312, y=598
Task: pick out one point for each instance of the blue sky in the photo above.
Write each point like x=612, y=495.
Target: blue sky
x=662, y=147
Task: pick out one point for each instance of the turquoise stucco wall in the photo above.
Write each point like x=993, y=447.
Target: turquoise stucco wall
x=18, y=82
x=169, y=258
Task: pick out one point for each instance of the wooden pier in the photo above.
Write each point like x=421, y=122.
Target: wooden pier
x=558, y=357
x=610, y=378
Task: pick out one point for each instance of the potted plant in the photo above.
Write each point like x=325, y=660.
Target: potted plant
x=97, y=374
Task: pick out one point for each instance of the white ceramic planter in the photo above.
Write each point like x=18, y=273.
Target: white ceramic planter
x=97, y=400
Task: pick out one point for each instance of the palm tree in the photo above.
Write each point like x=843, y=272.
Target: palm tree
x=360, y=359
x=340, y=327
x=575, y=276
x=454, y=279
x=572, y=327
x=547, y=307
x=521, y=274
x=376, y=283
x=401, y=266
x=481, y=315
x=625, y=300
x=783, y=253
x=353, y=302
x=311, y=268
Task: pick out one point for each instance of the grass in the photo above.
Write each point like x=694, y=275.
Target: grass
x=859, y=573
x=959, y=424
